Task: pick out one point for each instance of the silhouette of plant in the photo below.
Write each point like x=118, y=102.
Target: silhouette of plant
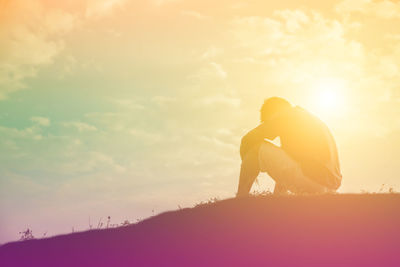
x=125, y=223
x=261, y=193
x=90, y=224
x=108, y=221
x=381, y=188
x=26, y=235
x=390, y=189
x=207, y=202
x=100, y=223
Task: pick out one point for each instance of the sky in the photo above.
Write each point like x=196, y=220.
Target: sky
x=130, y=108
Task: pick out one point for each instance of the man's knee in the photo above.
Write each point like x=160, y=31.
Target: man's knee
x=252, y=153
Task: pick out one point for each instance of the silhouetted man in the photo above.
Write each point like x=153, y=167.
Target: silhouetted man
x=307, y=160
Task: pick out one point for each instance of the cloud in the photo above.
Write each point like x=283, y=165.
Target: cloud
x=26, y=133
x=239, y=5
x=80, y=126
x=160, y=3
x=294, y=44
x=101, y=8
x=30, y=38
x=59, y=22
x=224, y=132
x=128, y=104
x=112, y=121
x=193, y=14
x=219, y=70
x=93, y=161
x=389, y=67
x=352, y=6
x=383, y=9
x=210, y=52
x=221, y=99
x=288, y=32
x=256, y=31
x=33, y=35
x=146, y=136
x=41, y=121
x=214, y=141
x=163, y=100
x=294, y=19
x=211, y=70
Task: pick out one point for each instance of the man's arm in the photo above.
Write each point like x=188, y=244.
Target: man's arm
x=254, y=137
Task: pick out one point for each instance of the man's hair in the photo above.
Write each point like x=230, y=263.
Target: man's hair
x=273, y=105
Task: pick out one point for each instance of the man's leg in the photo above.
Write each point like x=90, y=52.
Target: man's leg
x=285, y=171
x=249, y=171
x=280, y=189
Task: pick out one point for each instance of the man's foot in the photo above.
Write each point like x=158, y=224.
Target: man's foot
x=280, y=189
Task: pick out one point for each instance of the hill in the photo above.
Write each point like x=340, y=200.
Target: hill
x=325, y=230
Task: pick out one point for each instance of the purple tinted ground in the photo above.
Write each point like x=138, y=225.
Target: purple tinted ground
x=330, y=230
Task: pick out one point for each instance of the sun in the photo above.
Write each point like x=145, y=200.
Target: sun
x=328, y=97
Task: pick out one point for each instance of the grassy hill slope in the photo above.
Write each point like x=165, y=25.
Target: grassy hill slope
x=326, y=230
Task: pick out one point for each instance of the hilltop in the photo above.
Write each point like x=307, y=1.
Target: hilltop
x=325, y=230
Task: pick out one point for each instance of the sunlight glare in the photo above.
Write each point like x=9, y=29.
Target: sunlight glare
x=328, y=97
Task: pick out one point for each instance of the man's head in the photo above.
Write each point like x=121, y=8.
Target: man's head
x=272, y=106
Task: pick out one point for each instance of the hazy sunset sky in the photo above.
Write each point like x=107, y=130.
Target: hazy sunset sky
x=129, y=108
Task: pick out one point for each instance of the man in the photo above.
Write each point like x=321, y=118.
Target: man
x=307, y=160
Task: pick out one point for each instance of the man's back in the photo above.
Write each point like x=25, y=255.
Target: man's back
x=308, y=140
